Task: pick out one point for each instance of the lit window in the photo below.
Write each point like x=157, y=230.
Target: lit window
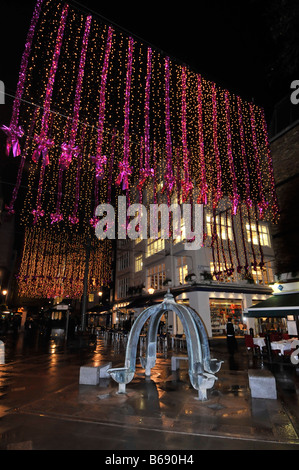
x=138, y=263
x=154, y=246
x=183, y=233
x=263, y=276
x=263, y=233
x=223, y=226
x=182, y=269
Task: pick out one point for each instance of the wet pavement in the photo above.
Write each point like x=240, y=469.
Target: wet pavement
x=43, y=407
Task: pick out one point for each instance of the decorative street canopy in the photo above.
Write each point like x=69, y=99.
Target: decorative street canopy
x=99, y=114
x=95, y=111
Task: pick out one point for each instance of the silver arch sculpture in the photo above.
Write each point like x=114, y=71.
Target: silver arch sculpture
x=201, y=369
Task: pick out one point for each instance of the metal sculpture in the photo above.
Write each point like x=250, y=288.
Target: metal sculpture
x=201, y=367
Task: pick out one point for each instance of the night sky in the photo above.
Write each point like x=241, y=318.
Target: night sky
x=250, y=47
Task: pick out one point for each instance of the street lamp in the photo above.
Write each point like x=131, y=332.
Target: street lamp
x=151, y=290
x=4, y=293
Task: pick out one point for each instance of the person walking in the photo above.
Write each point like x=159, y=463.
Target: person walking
x=231, y=339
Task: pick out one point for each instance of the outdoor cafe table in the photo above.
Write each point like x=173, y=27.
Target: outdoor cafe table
x=259, y=342
x=283, y=345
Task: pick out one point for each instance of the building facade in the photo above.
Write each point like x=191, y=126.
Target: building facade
x=209, y=279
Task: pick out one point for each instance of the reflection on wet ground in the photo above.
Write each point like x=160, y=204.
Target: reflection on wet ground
x=39, y=388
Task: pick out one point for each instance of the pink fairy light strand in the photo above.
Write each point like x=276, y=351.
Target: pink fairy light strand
x=203, y=187
x=147, y=108
x=235, y=198
x=101, y=160
x=111, y=163
x=24, y=63
x=54, y=66
x=74, y=218
x=127, y=102
x=10, y=208
x=69, y=151
x=216, y=148
x=124, y=166
x=243, y=152
x=145, y=170
x=80, y=80
x=169, y=177
x=187, y=185
x=14, y=132
x=270, y=167
x=44, y=143
x=262, y=205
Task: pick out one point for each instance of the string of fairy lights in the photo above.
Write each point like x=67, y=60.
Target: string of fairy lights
x=99, y=114
x=53, y=265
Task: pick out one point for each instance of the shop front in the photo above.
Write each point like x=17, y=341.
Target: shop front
x=223, y=309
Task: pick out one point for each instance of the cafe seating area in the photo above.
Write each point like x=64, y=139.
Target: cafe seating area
x=274, y=344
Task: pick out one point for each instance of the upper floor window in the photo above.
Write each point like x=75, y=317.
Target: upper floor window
x=223, y=226
x=156, y=275
x=182, y=269
x=154, y=246
x=122, y=289
x=124, y=261
x=138, y=263
x=263, y=234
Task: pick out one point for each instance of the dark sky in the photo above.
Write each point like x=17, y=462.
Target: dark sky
x=250, y=47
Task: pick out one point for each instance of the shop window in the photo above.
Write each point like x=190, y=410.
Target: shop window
x=221, y=310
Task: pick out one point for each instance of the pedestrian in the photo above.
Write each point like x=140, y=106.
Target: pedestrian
x=231, y=339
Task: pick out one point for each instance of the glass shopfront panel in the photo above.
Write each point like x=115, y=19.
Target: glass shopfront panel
x=221, y=310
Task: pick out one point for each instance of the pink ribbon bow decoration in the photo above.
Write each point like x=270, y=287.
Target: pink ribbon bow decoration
x=144, y=174
x=187, y=187
x=57, y=217
x=37, y=213
x=68, y=153
x=73, y=219
x=100, y=161
x=43, y=147
x=203, y=196
x=125, y=172
x=14, y=133
x=235, y=202
x=169, y=182
x=93, y=222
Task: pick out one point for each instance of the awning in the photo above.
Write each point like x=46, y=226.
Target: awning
x=99, y=309
x=278, y=305
x=143, y=302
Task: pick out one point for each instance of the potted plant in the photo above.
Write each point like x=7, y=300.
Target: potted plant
x=248, y=277
x=190, y=278
x=207, y=276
